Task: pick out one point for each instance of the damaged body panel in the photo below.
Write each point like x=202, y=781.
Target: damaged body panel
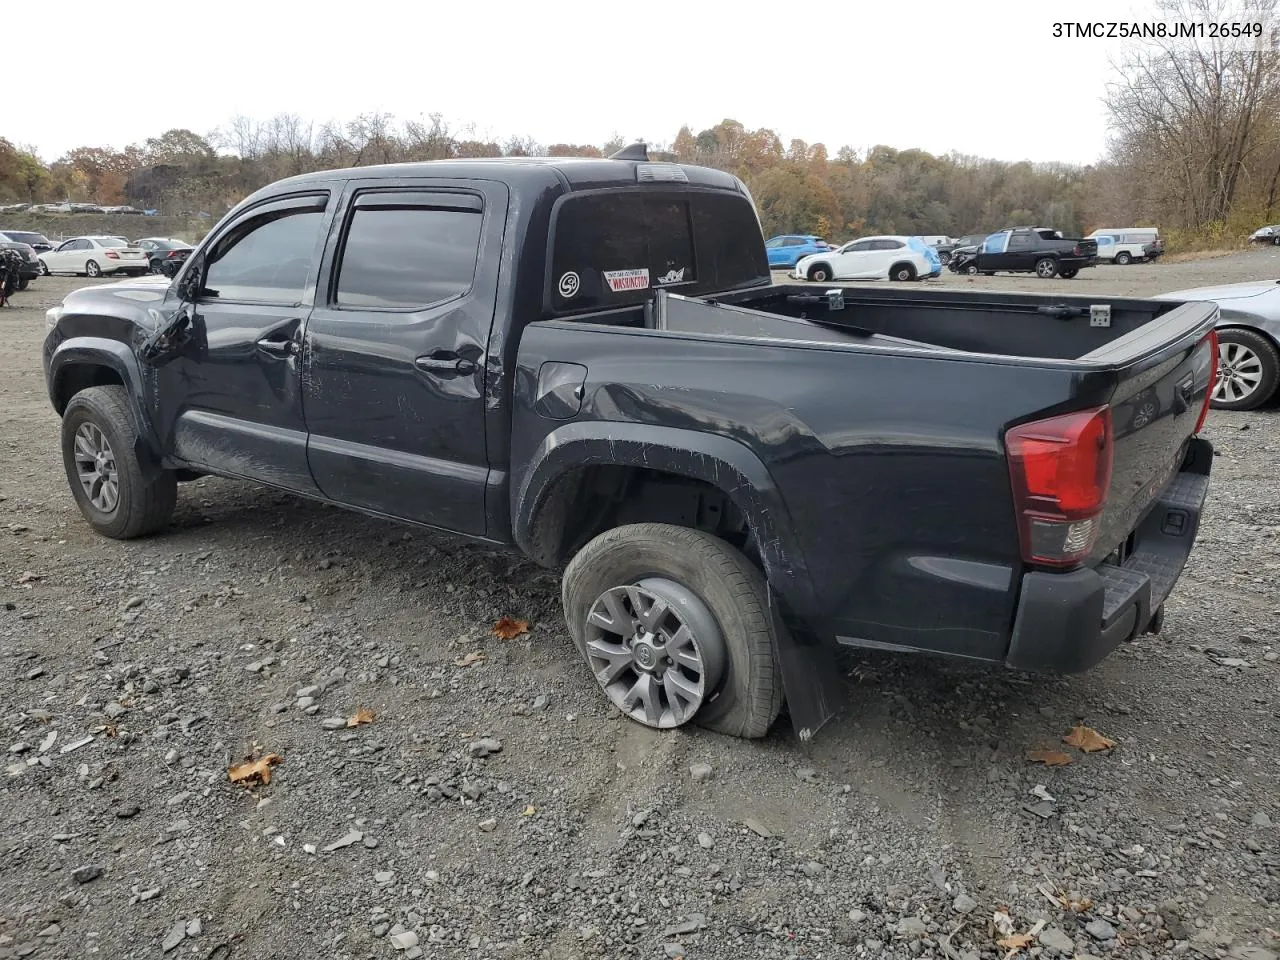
x=586, y=360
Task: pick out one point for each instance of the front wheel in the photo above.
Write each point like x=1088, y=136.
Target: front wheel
x=971, y=270
x=1046, y=268
x=91, y=269
x=44, y=269
x=1248, y=370
x=675, y=626
x=1123, y=259
x=24, y=283
x=98, y=442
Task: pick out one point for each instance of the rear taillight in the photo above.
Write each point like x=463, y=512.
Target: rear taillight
x=1212, y=340
x=1061, y=471
x=1075, y=251
x=112, y=255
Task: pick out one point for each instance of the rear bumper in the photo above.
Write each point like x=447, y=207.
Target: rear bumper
x=1068, y=622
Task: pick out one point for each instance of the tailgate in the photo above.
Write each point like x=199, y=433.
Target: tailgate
x=1087, y=248
x=1155, y=409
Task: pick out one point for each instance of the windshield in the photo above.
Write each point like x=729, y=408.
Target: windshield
x=615, y=248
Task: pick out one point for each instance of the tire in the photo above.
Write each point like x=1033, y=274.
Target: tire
x=44, y=269
x=139, y=507
x=971, y=270
x=902, y=272
x=92, y=269
x=24, y=283
x=1046, y=268
x=1123, y=259
x=1248, y=370
x=720, y=582
x=944, y=258
x=154, y=267
x=1275, y=241
x=1067, y=274
x=819, y=273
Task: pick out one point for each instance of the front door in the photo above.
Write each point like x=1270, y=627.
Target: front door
x=232, y=403
x=394, y=380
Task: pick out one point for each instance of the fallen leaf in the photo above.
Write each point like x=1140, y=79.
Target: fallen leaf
x=475, y=656
x=1087, y=740
x=1019, y=941
x=1050, y=758
x=111, y=730
x=508, y=628
x=529, y=811
x=362, y=715
x=1002, y=922
x=1080, y=906
x=259, y=769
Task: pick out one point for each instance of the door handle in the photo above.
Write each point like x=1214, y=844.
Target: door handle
x=280, y=348
x=446, y=365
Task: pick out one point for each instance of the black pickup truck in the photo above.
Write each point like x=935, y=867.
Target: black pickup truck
x=1038, y=250
x=586, y=360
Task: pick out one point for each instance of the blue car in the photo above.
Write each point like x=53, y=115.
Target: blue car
x=785, y=251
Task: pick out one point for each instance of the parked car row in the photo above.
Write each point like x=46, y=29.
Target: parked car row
x=95, y=256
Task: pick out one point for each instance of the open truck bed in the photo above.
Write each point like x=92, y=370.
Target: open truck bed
x=909, y=441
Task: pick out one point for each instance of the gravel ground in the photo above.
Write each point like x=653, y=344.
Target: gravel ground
x=499, y=810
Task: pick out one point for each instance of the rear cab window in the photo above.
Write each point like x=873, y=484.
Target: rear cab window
x=614, y=248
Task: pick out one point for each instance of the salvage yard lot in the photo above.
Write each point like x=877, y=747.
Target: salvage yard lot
x=911, y=819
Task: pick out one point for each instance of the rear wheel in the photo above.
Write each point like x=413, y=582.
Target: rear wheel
x=1248, y=370
x=1068, y=274
x=1123, y=258
x=91, y=269
x=1046, y=268
x=98, y=441
x=820, y=273
x=675, y=626
x=902, y=272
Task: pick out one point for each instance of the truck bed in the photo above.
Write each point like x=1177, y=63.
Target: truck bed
x=882, y=423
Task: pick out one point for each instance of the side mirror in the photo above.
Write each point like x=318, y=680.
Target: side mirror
x=192, y=281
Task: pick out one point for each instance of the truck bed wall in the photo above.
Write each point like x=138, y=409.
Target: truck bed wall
x=979, y=323
x=890, y=466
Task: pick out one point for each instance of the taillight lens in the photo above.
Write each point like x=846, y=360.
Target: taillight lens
x=1212, y=340
x=1075, y=251
x=112, y=255
x=1061, y=471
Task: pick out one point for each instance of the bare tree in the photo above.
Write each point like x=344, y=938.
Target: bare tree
x=1190, y=117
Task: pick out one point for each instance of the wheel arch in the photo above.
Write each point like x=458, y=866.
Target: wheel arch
x=84, y=362
x=544, y=502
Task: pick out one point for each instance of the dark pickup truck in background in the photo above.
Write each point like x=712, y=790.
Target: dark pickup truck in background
x=586, y=360
x=1038, y=250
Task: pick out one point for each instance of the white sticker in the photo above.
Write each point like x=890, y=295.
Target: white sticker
x=569, y=285
x=620, y=280
x=672, y=276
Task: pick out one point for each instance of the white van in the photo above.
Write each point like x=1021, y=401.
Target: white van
x=1128, y=244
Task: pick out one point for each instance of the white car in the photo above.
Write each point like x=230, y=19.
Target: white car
x=869, y=258
x=94, y=256
x=1126, y=245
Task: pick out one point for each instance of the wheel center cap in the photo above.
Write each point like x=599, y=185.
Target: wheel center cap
x=644, y=654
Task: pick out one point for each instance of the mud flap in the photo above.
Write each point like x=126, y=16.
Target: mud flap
x=810, y=674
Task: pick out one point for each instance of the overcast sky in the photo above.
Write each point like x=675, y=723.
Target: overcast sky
x=982, y=77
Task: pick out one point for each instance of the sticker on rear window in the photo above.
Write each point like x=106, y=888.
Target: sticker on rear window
x=671, y=276
x=620, y=280
x=569, y=284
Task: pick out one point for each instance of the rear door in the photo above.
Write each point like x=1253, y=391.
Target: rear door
x=395, y=349
x=1022, y=250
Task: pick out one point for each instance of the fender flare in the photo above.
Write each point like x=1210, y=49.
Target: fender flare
x=726, y=464
x=119, y=358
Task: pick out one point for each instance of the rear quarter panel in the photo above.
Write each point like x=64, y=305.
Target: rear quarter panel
x=890, y=466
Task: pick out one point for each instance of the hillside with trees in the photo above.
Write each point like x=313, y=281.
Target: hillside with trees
x=1195, y=149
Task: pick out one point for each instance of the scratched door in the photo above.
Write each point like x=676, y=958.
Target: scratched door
x=394, y=371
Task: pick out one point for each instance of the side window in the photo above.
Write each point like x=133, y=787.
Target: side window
x=889, y=245
x=793, y=242
x=267, y=259
x=405, y=257
x=776, y=242
x=1020, y=241
x=81, y=245
x=862, y=246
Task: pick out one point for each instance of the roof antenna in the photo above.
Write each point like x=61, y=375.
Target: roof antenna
x=635, y=151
